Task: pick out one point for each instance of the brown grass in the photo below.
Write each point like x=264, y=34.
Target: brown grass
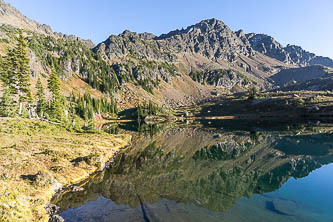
x=37, y=158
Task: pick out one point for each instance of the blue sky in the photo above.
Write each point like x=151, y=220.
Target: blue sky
x=308, y=23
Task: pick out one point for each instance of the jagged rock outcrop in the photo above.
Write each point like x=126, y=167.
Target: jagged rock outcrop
x=131, y=44
x=211, y=38
x=268, y=46
x=290, y=54
x=320, y=60
x=298, y=55
x=207, y=47
x=65, y=37
x=304, y=58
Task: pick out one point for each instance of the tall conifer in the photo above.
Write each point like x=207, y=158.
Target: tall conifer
x=7, y=105
x=8, y=72
x=41, y=101
x=23, y=72
x=56, y=109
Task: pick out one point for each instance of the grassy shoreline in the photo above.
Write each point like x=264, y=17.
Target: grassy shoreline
x=37, y=159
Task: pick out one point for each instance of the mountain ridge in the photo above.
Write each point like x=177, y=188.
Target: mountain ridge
x=289, y=54
x=181, y=67
x=9, y=15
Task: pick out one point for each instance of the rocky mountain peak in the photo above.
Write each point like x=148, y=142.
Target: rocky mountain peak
x=204, y=27
x=128, y=33
x=211, y=25
x=210, y=38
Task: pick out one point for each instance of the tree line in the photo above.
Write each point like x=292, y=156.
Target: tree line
x=17, y=99
x=15, y=76
x=148, y=109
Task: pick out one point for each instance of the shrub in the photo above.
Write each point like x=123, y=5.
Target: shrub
x=252, y=92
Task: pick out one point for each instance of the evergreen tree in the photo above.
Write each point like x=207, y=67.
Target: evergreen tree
x=8, y=73
x=15, y=73
x=41, y=101
x=7, y=105
x=23, y=72
x=99, y=107
x=54, y=84
x=3, y=70
x=56, y=106
x=252, y=92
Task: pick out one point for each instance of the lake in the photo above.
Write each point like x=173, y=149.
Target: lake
x=213, y=171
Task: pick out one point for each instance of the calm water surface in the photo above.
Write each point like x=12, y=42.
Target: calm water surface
x=219, y=172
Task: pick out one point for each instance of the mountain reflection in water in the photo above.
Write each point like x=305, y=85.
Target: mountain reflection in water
x=191, y=173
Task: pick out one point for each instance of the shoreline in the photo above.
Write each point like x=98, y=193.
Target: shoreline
x=105, y=145
x=262, y=116
x=39, y=160
x=53, y=210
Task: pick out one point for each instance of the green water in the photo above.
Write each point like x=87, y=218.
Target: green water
x=214, y=172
